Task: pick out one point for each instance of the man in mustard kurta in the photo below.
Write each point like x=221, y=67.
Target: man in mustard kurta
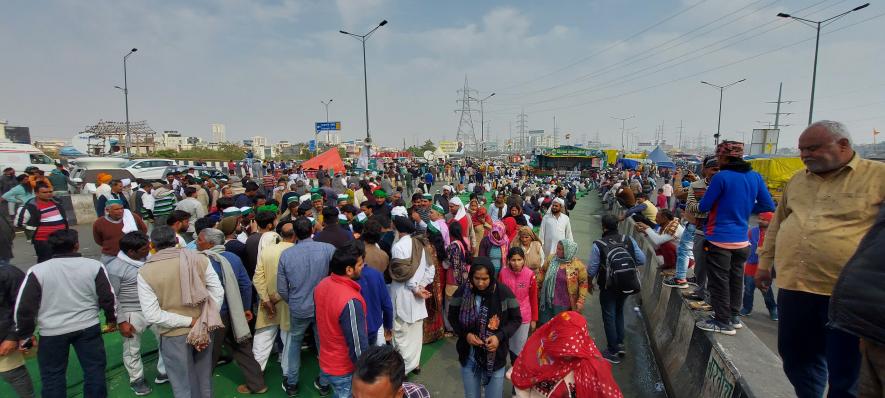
x=273, y=312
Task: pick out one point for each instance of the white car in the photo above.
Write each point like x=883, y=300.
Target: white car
x=147, y=169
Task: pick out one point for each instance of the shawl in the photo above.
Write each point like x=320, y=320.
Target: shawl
x=402, y=269
x=457, y=202
x=443, y=229
x=670, y=228
x=481, y=216
x=560, y=346
x=231, y=294
x=129, y=224
x=194, y=293
x=477, y=317
x=502, y=241
x=569, y=250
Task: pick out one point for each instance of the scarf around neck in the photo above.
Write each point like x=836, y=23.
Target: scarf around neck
x=569, y=249
x=231, y=294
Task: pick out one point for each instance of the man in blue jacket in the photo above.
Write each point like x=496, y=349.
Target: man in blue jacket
x=379, y=306
x=733, y=194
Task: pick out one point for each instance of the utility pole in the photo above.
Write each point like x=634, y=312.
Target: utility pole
x=521, y=125
x=777, y=113
x=721, y=92
x=623, y=121
x=680, y=135
x=554, y=132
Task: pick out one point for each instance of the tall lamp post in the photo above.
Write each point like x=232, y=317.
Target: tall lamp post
x=721, y=91
x=362, y=39
x=482, y=124
x=126, y=101
x=623, y=120
x=325, y=105
x=817, y=26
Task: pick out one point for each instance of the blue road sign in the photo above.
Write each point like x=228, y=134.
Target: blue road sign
x=312, y=145
x=328, y=126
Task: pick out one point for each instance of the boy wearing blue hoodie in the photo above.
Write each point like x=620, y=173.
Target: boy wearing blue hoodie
x=733, y=194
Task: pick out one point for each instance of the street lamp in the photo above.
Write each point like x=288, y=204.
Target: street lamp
x=721, y=90
x=817, y=26
x=326, y=105
x=623, y=120
x=126, y=101
x=482, y=124
x=362, y=39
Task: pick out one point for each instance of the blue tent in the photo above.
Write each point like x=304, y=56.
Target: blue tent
x=628, y=164
x=661, y=159
x=70, y=152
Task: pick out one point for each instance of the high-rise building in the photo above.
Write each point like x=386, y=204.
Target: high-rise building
x=219, y=134
x=259, y=141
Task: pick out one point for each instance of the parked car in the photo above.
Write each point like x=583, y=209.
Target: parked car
x=201, y=171
x=22, y=156
x=148, y=169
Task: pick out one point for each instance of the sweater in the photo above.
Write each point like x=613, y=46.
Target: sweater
x=524, y=286
x=77, y=287
x=123, y=274
x=379, y=306
x=500, y=303
x=734, y=193
x=11, y=279
x=341, y=321
x=107, y=233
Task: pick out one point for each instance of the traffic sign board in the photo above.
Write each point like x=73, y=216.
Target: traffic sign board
x=328, y=126
x=312, y=145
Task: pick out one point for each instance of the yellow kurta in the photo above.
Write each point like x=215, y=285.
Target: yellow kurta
x=265, y=280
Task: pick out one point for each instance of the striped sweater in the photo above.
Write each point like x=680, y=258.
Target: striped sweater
x=164, y=203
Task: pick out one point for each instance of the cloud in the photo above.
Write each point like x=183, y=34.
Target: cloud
x=353, y=12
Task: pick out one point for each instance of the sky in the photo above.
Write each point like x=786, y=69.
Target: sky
x=263, y=67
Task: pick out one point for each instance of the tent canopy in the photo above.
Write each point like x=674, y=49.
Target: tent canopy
x=330, y=159
x=661, y=159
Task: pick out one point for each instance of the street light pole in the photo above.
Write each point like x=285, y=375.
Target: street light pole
x=126, y=102
x=817, y=25
x=721, y=92
x=482, y=124
x=326, y=105
x=623, y=120
x=362, y=39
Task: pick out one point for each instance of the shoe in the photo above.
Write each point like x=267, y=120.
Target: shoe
x=161, y=378
x=773, y=315
x=222, y=361
x=675, y=283
x=139, y=387
x=611, y=356
x=712, y=325
x=700, y=306
x=736, y=323
x=744, y=313
x=692, y=296
x=323, y=390
x=290, y=389
x=622, y=350
x=244, y=389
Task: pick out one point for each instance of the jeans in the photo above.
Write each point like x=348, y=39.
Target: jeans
x=473, y=387
x=52, y=358
x=725, y=280
x=700, y=266
x=297, y=328
x=340, y=384
x=612, y=304
x=749, y=292
x=684, y=251
x=19, y=379
x=814, y=354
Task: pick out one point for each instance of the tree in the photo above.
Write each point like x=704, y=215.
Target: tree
x=419, y=150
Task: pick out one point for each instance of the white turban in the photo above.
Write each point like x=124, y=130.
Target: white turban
x=461, y=212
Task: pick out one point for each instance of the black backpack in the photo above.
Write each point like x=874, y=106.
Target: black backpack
x=621, y=273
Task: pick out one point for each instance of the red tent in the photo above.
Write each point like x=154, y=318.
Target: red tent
x=330, y=159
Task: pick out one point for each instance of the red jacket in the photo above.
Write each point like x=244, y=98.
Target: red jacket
x=340, y=341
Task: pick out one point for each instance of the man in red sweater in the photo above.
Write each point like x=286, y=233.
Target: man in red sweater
x=341, y=319
x=108, y=230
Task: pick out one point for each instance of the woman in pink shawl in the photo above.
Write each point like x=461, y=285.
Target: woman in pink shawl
x=495, y=246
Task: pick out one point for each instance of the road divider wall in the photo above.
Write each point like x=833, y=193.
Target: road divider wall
x=695, y=363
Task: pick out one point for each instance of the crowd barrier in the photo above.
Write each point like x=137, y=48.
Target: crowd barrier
x=695, y=363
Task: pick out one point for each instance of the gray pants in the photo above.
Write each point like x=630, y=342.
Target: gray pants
x=189, y=371
x=700, y=268
x=132, y=348
x=20, y=381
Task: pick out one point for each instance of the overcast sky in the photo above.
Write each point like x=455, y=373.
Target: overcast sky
x=262, y=67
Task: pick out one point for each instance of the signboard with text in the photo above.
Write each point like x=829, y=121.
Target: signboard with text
x=328, y=126
x=452, y=147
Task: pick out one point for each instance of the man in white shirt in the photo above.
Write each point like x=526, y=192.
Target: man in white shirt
x=668, y=193
x=408, y=292
x=498, y=208
x=192, y=206
x=555, y=226
x=188, y=366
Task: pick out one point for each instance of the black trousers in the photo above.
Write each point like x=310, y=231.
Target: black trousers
x=242, y=354
x=725, y=280
x=43, y=250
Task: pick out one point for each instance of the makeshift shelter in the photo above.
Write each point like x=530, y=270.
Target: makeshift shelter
x=777, y=171
x=661, y=159
x=611, y=155
x=330, y=160
x=569, y=158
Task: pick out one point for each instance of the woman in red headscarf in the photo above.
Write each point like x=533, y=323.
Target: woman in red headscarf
x=495, y=246
x=560, y=360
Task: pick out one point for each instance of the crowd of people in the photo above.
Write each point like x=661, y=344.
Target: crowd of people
x=822, y=239
x=239, y=269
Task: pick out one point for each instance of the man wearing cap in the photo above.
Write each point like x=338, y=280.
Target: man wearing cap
x=108, y=230
x=555, y=226
x=443, y=198
x=733, y=194
x=381, y=206
x=333, y=233
x=825, y=212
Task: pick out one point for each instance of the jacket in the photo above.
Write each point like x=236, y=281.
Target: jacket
x=29, y=217
x=11, y=279
x=734, y=193
x=857, y=304
x=379, y=306
x=341, y=320
x=500, y=302
x=334, y=235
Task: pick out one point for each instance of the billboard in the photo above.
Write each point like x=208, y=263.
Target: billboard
x=452, y=147
x=764, y=142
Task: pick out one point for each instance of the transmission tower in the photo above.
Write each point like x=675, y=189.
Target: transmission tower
x=466, y=131
x=523, y=130
x=777, y=113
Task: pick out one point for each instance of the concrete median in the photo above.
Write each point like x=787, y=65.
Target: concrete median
x=695, y=363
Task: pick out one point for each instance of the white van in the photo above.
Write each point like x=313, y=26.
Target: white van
x=22, y=156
